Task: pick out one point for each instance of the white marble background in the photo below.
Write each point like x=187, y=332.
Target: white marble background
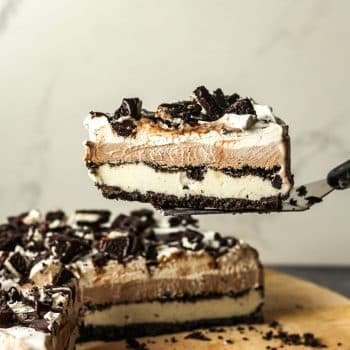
x=59, y=59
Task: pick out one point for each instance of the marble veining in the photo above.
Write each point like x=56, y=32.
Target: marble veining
x=8, y=9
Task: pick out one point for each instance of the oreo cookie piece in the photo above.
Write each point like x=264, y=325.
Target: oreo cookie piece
x=9, y=237
x=129, y=223
x=196, y=173
x=120, y=247
x=100, y=259
x=91, y=217
x=13, y=295
x=55, y=215
x=187, y=111
x=123, y=128
x=192, y=240
x=68, y=248
x=64, y=276
x=17, y=264
x=208, y=103
x=241, y=106
x=220, y=98
x=129, y=107
x=231, y=99
x=146, y=218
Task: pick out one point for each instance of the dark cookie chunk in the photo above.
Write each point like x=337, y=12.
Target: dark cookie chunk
x=13, y=295
x=98, y=114
x=220, y=98
x=198, y=335
x=100, y=259
x=120, y=247
x=124, y=128
x=129, y=107
x=194, y=240
x=92, y=217
x=63, y=277
x=180, y=109
x=187, y=111
x=241, y=106
x=232, y=98
x=311, y=200
x=19, y=263
x=68, y=248
x=196, y=173
x=132, y=224
x=133, y=343
x=151, y=255
x=301, y=191
x=9, y=237
x=17, y=222
x=55, y=215
x=209, y=104
x=183, y=220
x=145, y=216
x=225, y=241
x=277, y=182
x=293, y=202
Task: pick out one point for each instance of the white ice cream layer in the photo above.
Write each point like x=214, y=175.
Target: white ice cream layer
x=174, y=311
x=215, y=183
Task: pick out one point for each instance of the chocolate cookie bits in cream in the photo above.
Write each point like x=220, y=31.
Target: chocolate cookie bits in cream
x=128, y=276
x=212, y=151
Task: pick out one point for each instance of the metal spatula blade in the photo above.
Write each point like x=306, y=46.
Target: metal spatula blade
x=301, y=198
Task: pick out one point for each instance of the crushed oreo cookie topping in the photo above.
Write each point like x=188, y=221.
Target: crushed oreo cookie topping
x=123, y=128
x=130, y=107
x=203, y=107
x=207, y=101
x=93, y=233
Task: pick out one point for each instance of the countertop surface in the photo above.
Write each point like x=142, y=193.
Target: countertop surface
x=334, y=278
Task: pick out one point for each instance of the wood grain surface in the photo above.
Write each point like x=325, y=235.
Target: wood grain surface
x=299, y=306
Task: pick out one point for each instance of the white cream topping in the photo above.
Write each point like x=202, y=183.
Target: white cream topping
x=232, y=121
x=33, y=217
x=264, y=131
x=215, y=183
x=88, y=217
x=174, y=311
x=22, y=338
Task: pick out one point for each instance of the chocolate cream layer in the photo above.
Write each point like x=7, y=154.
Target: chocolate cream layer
x=235, y=150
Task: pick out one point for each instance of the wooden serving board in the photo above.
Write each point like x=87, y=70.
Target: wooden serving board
x=299, y=306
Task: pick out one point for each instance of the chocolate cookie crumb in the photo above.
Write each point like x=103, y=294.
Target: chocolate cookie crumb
x=198, y=335
x=124, y=128
x=301, y=191
x=313, y=200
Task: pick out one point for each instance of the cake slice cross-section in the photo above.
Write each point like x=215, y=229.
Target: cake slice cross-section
x=212, y=151
x=164, y=277
x=129, y=276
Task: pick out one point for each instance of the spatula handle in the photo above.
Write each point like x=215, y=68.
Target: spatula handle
x=339, y=177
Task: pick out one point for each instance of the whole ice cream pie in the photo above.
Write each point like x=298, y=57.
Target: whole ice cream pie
x=212, y=151
x=127, y=277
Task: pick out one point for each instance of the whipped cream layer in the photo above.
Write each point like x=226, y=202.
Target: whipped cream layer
x=214, y=184
x=175, y=311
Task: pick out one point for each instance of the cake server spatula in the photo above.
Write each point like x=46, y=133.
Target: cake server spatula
x=301, y=198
